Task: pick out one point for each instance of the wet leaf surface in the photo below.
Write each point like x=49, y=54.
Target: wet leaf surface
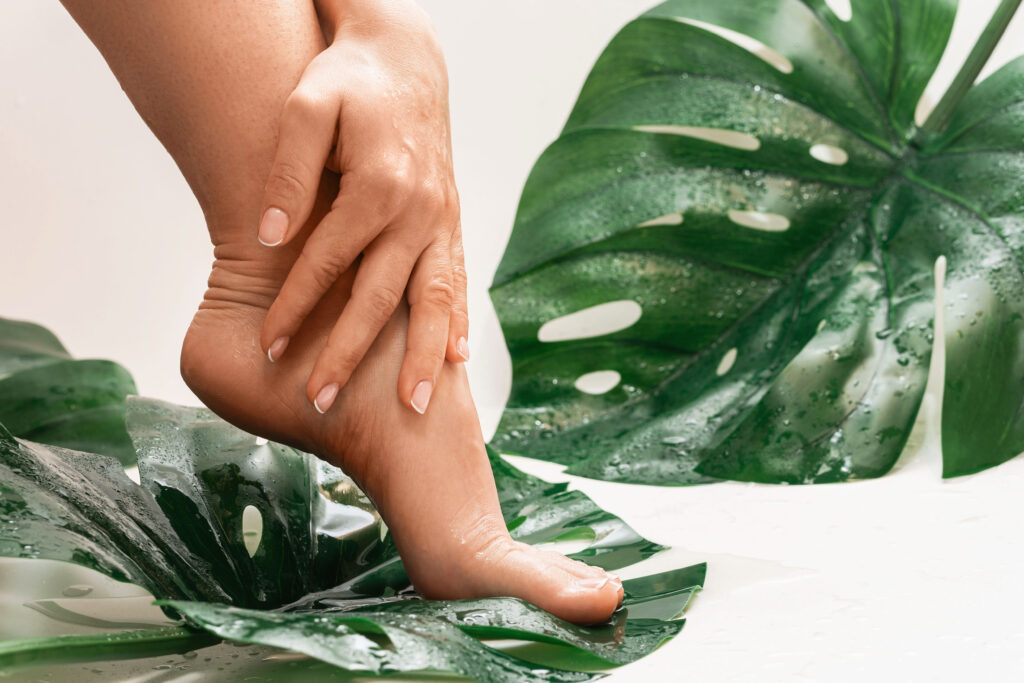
x=325, y=578
x=46, y=396
x=769, y=204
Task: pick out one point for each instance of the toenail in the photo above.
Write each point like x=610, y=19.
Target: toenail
x=277, y=348
x=273, y=227
x=421, y=396
x=462, y=346
x=595, y=583
x=325, y=398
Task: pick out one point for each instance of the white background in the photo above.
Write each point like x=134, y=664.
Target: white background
x=903, y=578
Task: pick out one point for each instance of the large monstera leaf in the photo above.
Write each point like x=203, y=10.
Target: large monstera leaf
x=747, y=174
x=324, y=577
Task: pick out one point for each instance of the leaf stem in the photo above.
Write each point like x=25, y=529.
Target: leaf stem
x=103, y=646
x=976, y=61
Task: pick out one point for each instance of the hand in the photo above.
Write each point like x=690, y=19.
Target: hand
x=374, y=107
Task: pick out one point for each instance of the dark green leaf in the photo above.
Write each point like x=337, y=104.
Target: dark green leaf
x=27, y=652
x=322, y=552
x=791, y=344
x=371, y=642
x=76, y=507
x=647, y=617
x=203, y=473
x=49, y=398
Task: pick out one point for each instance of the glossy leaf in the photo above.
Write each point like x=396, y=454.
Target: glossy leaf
x=46, y=396
x=762, y=194
x=323, y=551
x=647, y=617
x=26, y=652
x=377, y=643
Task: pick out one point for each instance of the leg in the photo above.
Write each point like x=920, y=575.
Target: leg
x=210, y=80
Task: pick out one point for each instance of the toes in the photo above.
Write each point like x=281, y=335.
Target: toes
x=582, y=569
x=568, y=589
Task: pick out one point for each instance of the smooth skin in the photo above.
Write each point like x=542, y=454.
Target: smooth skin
x=211, y=79
x=374, y=107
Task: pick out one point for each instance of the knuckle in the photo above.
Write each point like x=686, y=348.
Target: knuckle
x=459, y=274
x=384, y=188
x=381, y=302
x=322, y=269
x=402, y=180
x=285, y=181
x=452, y=206
x=439, y=291
x=303, y=104
x=346, y=357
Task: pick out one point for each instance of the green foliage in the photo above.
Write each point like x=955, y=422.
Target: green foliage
x=325, y=578
x=46, y=396
x=784, y=267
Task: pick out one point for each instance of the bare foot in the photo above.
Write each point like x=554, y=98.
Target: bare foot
x=428, y=475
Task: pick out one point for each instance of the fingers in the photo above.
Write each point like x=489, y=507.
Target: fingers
x=306, y=136
x=376, y=292
x=458, y=323
x=430, y=296
x=330, y=251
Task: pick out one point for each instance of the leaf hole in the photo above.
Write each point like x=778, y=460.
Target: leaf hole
x=829, y=154
x=719, y=136
x=840, y=8
x=252, y=529
x=598, y=382
x=728, y=360
x=595, y=321
x=748, y=43
x=668, y=219
x=133, y=473
x=759, y=220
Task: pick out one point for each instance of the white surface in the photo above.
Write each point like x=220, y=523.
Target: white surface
x=906, y=578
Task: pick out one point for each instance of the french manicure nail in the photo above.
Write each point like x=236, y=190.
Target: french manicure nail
x=421, y=396
x=273, y=226
x=462, y=346
x=325, y=399
x=277, y=348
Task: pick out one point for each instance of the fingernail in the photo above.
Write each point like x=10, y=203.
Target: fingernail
x=277, y=348
x=421, y=396
x=462, y=346
x=273, y=226
x=325, y=399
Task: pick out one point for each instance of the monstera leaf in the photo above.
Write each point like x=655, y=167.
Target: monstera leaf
x=743, y=181
x=323, y=578
x=46, y=396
